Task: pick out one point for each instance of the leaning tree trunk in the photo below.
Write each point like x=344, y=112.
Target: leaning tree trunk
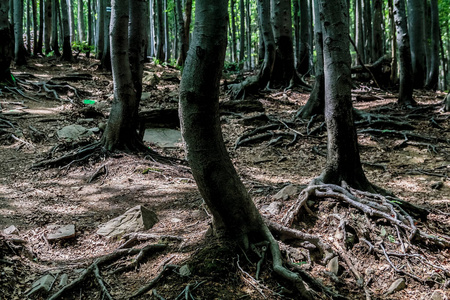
x=343, y=160
x=316, y=101
x=416, y=17
x=433, y=73
x=67, y=48
x=234, y=213
x=19, y=47
x=6, y=46
x=120, y=132
x=404, y=55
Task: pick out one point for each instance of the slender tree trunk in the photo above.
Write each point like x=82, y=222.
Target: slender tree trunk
x=242, y=34
x=71, y=20
x=404, y=54
x=433, y=74
x=180, y=32
x=343, y=160
x=48, y=26
x=187, y=22
x=359, y=38
x=67, y=48
x=249, y=35
x=90, y=25
x=29, y=27
x=81, y=26
x=100, y=32
x=6, y=46
x=39, y=44
x=305, y=46
x=377, y=30
x=296, y=23
x=160, y=41
x=55, y=45
x=152, y=28
x=367, y=20
x=392, y=29
x=35, y=28
x=416, y=17
x=106, y=57
x=136, y=44
x=316, y=101
x=166, y=33
x=233, y=32
x=19, y=47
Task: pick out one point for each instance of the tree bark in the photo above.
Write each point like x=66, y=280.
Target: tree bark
x=67, y=47
x=81, y=26
x=48, y=26
x=343, y=160
x=120, y=132
x=433, y=73
x=160, y=41
x=39, y=44
x=377, y=30
x=6, y=46
x=106, y=56
x=303, y=65
x=416, y=17
x=100, y=32
x=316, y=101
x=35, y=27
x=55, y=13
x=90, y=25
x=359, y=27
x=136, y=44
x=404, y=55
x=394, y=64
x=71, y=20
x=19, y=47
x=233, y=32
x=182, y=40
x=367, y=23
x=28, y=26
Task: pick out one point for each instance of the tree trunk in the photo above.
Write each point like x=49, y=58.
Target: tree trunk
x=106, y=56
x=19, y=47
x=6, y=46
x=29, y=26
x=416, y=17
x=182, y=47
x=35, y=27
x=359, y=27
x=404, y=55
x=120, y=132
x=160, y=41
x=55, y=45
x=343, y=160
x=67, y=48
x=90, y=25
x=235, y=216
x=303, y=65
x=377, y=30
x=242, y=34
x=367, y=20
x=48, y=26
x=151, y=38
x=433, y=73
x=71, y=20
x=166, y=33
x=249, y=35
x=316, y=101
x=100, y=32
x=136, y=44
x=233, y=32
x=38, y=49
x=296, y=24
x=81, y=26
x=392, y=29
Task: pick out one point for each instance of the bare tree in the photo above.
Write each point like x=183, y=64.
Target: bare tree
x=19, y=47
x=6, y=47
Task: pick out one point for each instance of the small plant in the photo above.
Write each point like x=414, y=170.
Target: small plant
x=82, y=47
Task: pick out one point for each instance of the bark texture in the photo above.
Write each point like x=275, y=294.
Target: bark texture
x=343, y=161
x=404, y=55
x=81, y=26
x=6, y=47
x=416, y=17
x=48, y=26
x=433, y=73
x=19, y=47
x=67, y=47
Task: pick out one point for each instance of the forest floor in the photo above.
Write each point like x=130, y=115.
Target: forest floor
x=32, y=199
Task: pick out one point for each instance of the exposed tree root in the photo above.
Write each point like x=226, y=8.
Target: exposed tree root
x=394, y=210
x=154, y=281
x=94, y=268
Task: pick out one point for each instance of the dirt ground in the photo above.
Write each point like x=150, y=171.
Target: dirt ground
x=31, y=199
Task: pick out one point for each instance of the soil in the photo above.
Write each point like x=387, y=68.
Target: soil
x=32, y=199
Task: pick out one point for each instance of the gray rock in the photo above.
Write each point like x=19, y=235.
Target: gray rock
x=43, y=284
x=274, y=208
x=438, y=295
x=135, y=219
x=163, y=137
x=63, y=280
x=146, y=96
x=333, y=265
x=11, y=230
x=184, y=271
x=396, y=286
x=82, y=121
x=73, y=132
x=286, y=192
x=59, y=232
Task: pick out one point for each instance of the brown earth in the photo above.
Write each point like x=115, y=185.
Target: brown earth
x=31, y=199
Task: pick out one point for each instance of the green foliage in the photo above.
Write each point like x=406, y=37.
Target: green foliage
x=51, y=53
x=82, y=47
x=232, y=67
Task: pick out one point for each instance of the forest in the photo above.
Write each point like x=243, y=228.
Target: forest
x=228, y=149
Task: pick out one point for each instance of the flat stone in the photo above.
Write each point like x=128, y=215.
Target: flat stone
x=333, y=265
x=396, y=286
x=63, y=280
x=163, y=137
x=286, y=192
x=73, y=132
x=274, y=208
x=11, y=230
x=438, y=295
x=59, y=232
x=43, y=284
x=135, y=219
